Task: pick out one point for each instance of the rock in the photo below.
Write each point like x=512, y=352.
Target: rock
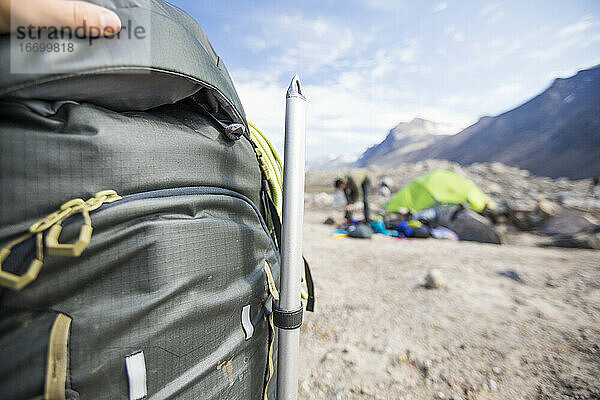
x=548, y=208
x=328, y=356
x=434, y=280
x=566, y=223
x=551, y=283
x=306, y=386
x=563, y=196
x=499, y=168
x=441, y=395
x=493, y=385
x=493, y=188
x=584, y=240
x=323, y=199
x=512, y=274
x=497, y=371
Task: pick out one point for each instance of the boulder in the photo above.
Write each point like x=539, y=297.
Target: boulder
x=434, y=280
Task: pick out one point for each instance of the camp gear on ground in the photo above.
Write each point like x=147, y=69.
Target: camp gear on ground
x=360, y=231
x=438, y=187
x=137, y=223
x=413, y=229
x=404, y=228
x=379, y=227
x=443, y=233
x=288, y=311
x=339, y=233
x=421, y=232
x=392, y=222
x=467, y=224
x=428, y=216
x=414, y=224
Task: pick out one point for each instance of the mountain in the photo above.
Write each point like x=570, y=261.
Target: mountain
x=402, y=140
x=555, y=134
x=331, y=162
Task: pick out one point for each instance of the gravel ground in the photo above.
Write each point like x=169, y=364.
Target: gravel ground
x=378, y=333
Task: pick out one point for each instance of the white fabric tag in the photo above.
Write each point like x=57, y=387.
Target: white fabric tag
x=136, y=372
x=246, y=323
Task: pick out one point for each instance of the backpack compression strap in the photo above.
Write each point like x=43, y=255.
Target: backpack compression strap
x=310, y=302
x=271, y=174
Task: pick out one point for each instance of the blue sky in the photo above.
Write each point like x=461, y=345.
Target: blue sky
x=367, y=65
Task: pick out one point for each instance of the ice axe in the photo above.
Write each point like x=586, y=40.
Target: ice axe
x=288, y=312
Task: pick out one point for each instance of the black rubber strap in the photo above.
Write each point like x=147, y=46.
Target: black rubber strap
x=274, y=219
x=310, y=286
x=284, y=319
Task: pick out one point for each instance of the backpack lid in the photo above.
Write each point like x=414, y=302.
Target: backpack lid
x=172, y=60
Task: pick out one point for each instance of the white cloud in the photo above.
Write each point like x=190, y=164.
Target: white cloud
x=581, y=26
x=572, y=36
x=298, y=43
x=385, y=5
x=492, y=12
x=409, y=52
x=441, y=6
x=350, y=113
x=454, y=33
x=255, y=44
x=360, y=83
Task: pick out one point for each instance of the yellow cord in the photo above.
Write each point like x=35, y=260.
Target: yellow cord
x=272, y=164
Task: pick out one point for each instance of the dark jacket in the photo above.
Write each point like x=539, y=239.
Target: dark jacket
x=354, y=182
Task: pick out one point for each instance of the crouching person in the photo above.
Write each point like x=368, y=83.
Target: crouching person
x=352, y=186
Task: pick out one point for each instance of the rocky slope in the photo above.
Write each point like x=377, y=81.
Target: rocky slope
x=504, y=184
x=403, y=140
x=555, y=134
x=331, y=162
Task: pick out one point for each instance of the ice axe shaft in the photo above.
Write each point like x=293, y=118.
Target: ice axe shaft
x=291, y=238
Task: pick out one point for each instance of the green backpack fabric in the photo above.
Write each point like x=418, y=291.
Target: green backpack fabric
x=136, y=249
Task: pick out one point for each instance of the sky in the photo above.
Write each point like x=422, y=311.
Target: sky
x=367, y=65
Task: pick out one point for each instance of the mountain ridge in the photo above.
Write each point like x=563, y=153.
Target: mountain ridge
x=404, y=138
x=556, y=133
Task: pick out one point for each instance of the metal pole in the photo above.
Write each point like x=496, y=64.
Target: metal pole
x=291, y=241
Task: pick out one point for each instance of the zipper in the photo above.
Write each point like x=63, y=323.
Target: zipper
x=79, y=209
x=191, y=191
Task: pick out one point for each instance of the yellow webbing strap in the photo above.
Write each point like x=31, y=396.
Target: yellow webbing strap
x=270, y=356
x=271, y=282
x=58, y=359
x=275, y=293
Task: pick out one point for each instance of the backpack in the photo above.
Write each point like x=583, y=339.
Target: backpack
x=138, y=250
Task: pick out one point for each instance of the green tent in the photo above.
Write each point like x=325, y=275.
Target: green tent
x=438, y=187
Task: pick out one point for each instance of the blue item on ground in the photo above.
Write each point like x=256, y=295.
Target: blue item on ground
x=404, y=228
